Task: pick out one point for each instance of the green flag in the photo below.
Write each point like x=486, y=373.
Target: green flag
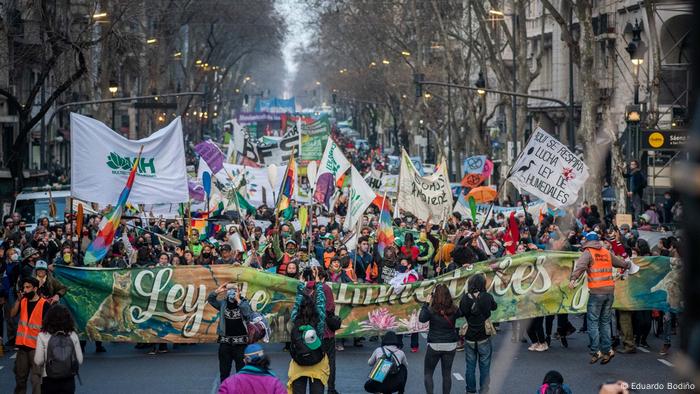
x=244, y=204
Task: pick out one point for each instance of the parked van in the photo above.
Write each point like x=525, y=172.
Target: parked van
x=33, y=204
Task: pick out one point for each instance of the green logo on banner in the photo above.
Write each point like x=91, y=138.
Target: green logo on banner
x=122, y=165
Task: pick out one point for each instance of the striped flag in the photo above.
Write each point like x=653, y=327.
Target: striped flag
x=385, y=232
x=287, y=190
x=98, y=248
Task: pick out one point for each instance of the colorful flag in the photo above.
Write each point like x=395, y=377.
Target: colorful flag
x=287, y=190
x=211, y=154
x=330, y=171
x=385, y=232
x=97, y=250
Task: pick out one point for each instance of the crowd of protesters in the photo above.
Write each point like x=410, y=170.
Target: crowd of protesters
x=321, y=256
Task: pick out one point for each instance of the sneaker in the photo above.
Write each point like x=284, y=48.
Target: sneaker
x=542, y=347
x=532, y=347
x=414, y=349
x=664, y=350
x=595, y=357
x=339, y=347
x=152, y=352
x=608, y=357
x=163, y=351
x=644, y=344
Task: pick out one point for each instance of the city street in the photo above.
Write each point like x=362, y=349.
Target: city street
x=194, y=369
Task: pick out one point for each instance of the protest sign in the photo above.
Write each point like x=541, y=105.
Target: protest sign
x=313, y=140
x=425, y=197
x=382, y=182
x=623, y=218
x=548, y=170
x=484, y=216
x=170, y=304
x=102, y=159
x=474, y=164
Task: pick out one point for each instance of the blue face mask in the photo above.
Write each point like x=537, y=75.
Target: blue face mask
x=231, y=295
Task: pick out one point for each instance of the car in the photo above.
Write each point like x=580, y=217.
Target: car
x=33, y=204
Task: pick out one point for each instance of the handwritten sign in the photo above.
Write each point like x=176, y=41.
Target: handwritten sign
x=549, y=170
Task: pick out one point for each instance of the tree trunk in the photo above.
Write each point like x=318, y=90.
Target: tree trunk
x=19, y=155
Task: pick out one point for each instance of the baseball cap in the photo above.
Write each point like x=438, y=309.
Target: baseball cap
x=41, y=265
x=308, y=334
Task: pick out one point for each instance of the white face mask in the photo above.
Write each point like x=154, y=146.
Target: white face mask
x=494, y=249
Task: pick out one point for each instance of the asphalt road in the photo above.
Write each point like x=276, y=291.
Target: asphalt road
x=194, y=368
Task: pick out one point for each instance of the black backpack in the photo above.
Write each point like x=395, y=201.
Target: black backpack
x=61, y=360
x=300, y=352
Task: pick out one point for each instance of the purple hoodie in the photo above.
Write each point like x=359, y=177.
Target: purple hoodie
x=251, y=380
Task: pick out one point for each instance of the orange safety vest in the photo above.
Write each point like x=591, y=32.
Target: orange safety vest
x=600, y=273
x=29, y=326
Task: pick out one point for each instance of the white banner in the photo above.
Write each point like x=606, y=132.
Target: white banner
x=101, y=160
x=427, y=197
x=549, y=170
x=361, y=196
x=257, y=181
x=382, y=182
x=482, y=210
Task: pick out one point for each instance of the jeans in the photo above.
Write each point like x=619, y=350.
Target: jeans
x=299, y=386
x=228, y=354
x=637, y=205
x=535, y=330
x=481, y=352
x=10, y=321
x=329, y=348
x=599, y=317
x=432, y=357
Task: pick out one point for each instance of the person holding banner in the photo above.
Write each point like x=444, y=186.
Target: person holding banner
x=598, y=264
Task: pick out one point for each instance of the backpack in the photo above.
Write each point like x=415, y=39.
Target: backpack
x=551, y=388
x=61, y=361
x=385, y=366
x=300, y=351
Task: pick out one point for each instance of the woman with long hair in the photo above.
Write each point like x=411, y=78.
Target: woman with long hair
x=476, y=307
x=441, y=312
x=309, y=365
x=58, y=325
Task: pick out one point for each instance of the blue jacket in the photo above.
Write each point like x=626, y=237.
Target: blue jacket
x=244, y=306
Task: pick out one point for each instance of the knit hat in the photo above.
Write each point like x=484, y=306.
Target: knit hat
x=253, y=351
x=592, y=236
x=390, y=338
x=41, y=265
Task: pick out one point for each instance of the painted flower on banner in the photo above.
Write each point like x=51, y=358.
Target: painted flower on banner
x=568, y=173
x=412, y=324
x=380, y=319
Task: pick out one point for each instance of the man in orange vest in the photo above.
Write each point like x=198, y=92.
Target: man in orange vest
x=31, y=309
x=598, y=264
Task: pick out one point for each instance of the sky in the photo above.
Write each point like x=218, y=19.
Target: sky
x=296, y=14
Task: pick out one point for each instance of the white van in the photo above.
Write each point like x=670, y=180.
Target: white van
x=33, y=204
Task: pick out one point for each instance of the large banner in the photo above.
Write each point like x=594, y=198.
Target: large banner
x=548, y=170
x=259, y=191
x=101, y=161
x=429, y=198
x=313, y=138
x=275, y=105
x=170, y=304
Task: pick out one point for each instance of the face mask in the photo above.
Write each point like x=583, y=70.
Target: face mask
x=67, y=257
x=30, y=295
x=494, y=249
x=15, y=257
x=231, y=295
x=499, y=221
x=402, y=269
x=206, y=255
x=329, y=250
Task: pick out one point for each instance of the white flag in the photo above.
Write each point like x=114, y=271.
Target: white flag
x=425, y=197
x=548, y=170
x=333, y=165
x=101, y=161
x=361, y=196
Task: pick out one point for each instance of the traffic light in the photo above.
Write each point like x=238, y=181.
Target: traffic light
x=417, y=79
x=334, y=97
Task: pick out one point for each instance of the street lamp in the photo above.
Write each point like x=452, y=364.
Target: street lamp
x=480, y=84
x=113, y=88
x=636, y=49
